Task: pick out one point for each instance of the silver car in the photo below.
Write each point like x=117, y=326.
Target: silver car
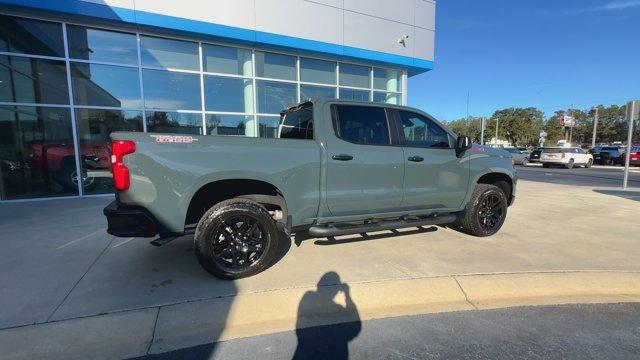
x=519, y=157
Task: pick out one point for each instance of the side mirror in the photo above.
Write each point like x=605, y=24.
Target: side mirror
x=462, y=144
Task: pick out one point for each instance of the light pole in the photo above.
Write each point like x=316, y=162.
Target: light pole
x=497, y=123
x=595, y=126
x=482, y=131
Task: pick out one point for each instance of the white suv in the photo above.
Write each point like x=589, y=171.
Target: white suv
x=567, y=157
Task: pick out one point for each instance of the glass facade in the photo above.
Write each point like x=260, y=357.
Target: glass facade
x=59, y=79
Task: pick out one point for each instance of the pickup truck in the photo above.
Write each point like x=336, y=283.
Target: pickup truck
x=336, y=167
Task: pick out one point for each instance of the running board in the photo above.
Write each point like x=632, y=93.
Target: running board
x=165, y=239
x=337, y=229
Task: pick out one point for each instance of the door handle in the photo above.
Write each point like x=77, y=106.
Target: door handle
x=415, y=158
x=342, y=157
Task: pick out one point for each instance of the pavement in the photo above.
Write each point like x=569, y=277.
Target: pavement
x=594, y=331
x=64, y=278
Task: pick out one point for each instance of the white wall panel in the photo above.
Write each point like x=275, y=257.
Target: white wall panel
x=396, y=10
x=238, y=13
x=424, y=40
x=303, y=19
x=377, y=34
x=426, y=14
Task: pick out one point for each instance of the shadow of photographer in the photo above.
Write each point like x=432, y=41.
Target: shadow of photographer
x=338, y=323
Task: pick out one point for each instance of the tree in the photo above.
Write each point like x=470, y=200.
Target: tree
x=470, y=128
x=521, y=126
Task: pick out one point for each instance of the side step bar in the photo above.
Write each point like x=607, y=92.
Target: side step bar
x=337, y=229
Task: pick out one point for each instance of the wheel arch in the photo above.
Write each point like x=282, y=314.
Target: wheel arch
x=214, y=192
x=502, y=180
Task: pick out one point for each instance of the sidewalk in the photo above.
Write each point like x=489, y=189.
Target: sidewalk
x=122, y=297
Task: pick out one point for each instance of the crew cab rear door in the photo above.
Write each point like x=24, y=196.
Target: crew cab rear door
x=435, y=178
x=364, y=170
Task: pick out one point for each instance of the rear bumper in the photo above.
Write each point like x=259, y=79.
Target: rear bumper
x=127, y=221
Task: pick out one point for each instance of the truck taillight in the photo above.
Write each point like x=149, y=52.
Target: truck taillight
x=121, y=178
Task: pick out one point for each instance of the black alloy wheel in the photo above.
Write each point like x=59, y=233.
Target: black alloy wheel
x=490, y=212
x=238, y=243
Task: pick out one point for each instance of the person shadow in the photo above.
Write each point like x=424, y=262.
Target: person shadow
x=325, y=327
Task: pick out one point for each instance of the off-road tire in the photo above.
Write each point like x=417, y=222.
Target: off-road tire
x=469, y=220
x=214, y=217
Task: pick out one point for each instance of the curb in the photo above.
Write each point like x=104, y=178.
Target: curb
x=161, y=329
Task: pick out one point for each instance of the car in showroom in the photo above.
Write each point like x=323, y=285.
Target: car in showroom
x=567, y=157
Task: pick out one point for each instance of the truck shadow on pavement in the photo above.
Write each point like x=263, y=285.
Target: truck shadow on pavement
x=331, y=240
x=626, y=194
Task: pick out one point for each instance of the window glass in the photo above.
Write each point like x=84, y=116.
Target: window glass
x=298, y=124
x=228, y=94
x=355, y=75
x=27, y=36
x=362, y=124
x=274, y=96
x=174, y=122
x=309, y=92
x=169, y=54
x=102, y=45
x=171, y=90
x=36, y=152
x=33, y=80
x=218, y=124
x=275, y=66
x=227, y=60
x=105, y=85
x=387, y=79
x=420, y=131
x=389, y=98
x=268, y=126
x=94, y=128
x=317, y=71
x=352, y=94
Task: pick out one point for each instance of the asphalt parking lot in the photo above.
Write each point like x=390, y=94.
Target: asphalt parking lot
x=62, y=275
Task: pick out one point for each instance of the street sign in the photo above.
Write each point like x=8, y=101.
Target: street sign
x=567, y=121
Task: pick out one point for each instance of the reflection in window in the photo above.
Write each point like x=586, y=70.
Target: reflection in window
x=317, y=71
x=171, y=90
x=94, y=128
x=389, y=98
x=268, y=126
x=387, y=79
x=355, y=75
x=275, y=66
x=362, y=124
x=218, y=124
x=102, y=45
x=29, y=80
x=227, y=60
x=27, y=36
x=420, y=131
x=298, y=124
x=352, y=94
x=309, y=92
x=169, y=54
x=105, y=85
x=228, y=94
x=174, y=122
x=36, y=152
x=274, y=96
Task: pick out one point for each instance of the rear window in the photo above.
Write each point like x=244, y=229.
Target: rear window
x=610, y=149
x=513, y=150
x=554, y=151
x=298, y=123
x=361, y=124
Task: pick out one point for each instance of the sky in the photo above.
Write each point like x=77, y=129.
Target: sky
x=549, y=54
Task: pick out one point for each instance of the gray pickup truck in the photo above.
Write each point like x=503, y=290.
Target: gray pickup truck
x=336, y=167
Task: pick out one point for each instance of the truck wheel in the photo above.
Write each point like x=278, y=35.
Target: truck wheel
x=485, y=212
x=236, y=238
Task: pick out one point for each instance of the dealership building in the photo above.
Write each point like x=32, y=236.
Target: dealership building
x=73, y=71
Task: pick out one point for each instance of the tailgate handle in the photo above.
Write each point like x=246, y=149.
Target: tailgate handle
x=342, y=157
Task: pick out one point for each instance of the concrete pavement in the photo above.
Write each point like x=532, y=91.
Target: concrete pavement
x=56, y=275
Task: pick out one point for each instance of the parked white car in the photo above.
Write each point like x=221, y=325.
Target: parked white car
x=567, y=157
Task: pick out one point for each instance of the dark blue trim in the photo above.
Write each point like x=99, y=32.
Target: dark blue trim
x=75, y=7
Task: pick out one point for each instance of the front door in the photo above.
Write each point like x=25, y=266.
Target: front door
x=364, y=171
x=434, y=177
